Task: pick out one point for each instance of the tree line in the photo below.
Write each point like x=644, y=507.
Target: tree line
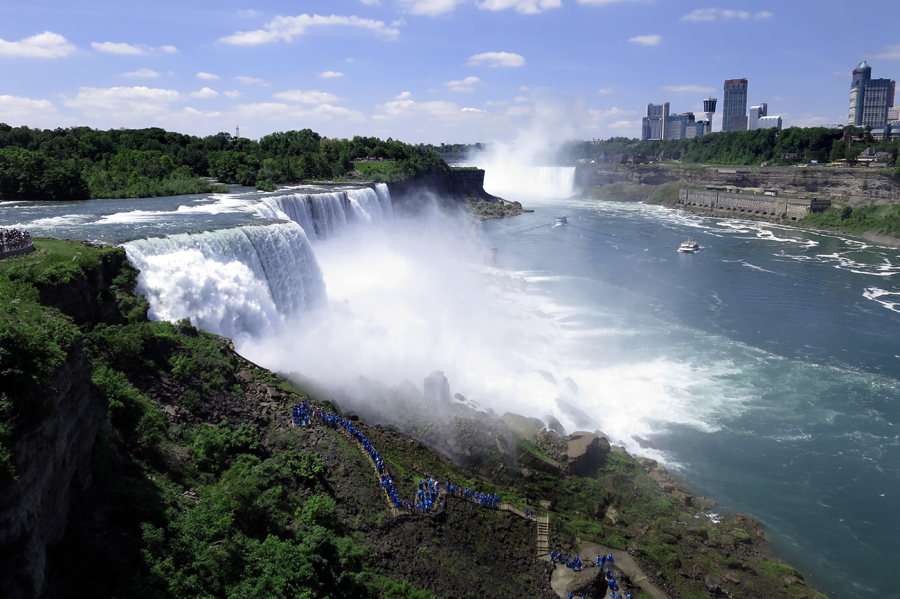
x=80, y=162
x=744, y=148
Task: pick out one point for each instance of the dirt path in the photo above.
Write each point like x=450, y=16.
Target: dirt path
x=589, y=552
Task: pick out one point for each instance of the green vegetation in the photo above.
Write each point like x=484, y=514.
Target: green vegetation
x=746, y=148
x=200, y=493
x=881, y=220
x=78, y=163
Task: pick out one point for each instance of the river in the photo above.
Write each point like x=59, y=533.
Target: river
x=763, y=370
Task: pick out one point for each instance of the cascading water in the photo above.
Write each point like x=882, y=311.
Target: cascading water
x=242, y=282
x=323, y=215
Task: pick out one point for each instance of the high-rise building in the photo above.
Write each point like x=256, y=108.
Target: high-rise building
x=653, y=126
x=755, y=113
x=870, y=99
x=734, y=109
x=684, y=126
x=894, y=114
x=768, y=122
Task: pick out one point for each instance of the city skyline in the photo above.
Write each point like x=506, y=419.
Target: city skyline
x=424, y=70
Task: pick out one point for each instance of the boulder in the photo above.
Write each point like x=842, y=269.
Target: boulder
x=437, y=391
x=521, y=426
x=586, y=453
x=554, y=425
x=590, y=582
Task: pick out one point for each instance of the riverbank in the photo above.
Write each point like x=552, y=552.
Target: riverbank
x=875, y=222
x=166, y=427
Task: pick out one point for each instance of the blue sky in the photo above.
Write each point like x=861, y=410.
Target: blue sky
x=429, y=70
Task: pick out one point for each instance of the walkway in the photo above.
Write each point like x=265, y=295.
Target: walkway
x=589, y=552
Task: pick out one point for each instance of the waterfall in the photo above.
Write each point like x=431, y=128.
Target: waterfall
x=324, y=215
x=235, y=282
x=544, y=181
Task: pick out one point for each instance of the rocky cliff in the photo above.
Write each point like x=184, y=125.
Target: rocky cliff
x=853, y=185
x=52, y=456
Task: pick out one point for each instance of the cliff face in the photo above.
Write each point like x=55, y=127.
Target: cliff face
x=52, y=457
x=854, y=185
x=53, y=462
x=457, y=184
x=88, y=299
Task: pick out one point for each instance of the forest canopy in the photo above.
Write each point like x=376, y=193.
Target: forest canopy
x=744, y=148
x=81, y=163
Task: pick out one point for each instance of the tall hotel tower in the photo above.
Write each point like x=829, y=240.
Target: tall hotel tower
x=734, y=109
x=870, y=98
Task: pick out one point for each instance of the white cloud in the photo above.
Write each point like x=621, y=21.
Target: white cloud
x=350, y=60
x=842, y=73
x=272, y=111
x=16, y=111
x=890, y=53
x=42, y=45
x=210, y=76
x=622, y=126
x=526, y=7
x=205, y=93
x=330, y=74
x=193, y=112
x=714, y=14
x=688, y=89
x=465, y=85
x=117, y=48
x=285, y=28
x=249, y=13
x=497, y=103
x=431, y=8
x=518, y=111
x=497, y=59
x=610, y=112
x=141, y=74
x=605, y=91
x=521, y=99
x=472, y=110
x=169, y=49
x=646, y=40
x=371, y=2
x=233, y=94
x=123, y=102
x=249, y=80
x=404, y=96
x=433, y=111
x=310, y=97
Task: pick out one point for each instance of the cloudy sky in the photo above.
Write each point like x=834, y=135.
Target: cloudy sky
x=428, y=70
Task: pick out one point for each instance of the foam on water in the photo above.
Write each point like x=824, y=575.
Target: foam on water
x=324, y=215
x=243, y=283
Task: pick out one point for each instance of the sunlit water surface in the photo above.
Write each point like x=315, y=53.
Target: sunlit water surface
x=763, y=369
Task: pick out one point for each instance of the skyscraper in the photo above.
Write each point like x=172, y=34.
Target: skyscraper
x=653, y=126
x=756, y=112
x=861, y=76
x=870, y=98
x=734, y=109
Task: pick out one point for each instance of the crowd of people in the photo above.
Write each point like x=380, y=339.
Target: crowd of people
x=429, y=494
x=13, y=239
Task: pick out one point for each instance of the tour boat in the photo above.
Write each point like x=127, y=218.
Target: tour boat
x=689, y=247
x=562, y=220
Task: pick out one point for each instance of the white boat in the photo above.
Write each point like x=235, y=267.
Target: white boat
x=562, y=220
x=689, y=247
